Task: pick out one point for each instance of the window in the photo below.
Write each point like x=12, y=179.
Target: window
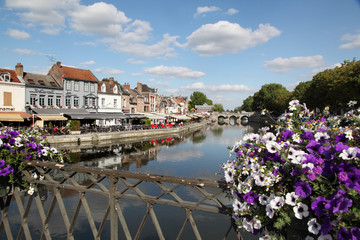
x=58, y=101
x=50, y=100
x=115, y=103
x=86, y=86
x=86, y=101
x=68, y=85
x=92, y=87
x=7, y=99
x=68, y=101
x=94, y=102
x=33, y=99
x=103, y=102
x=76, y=86
x=42, y=100
x=31, y=81
x=76, y=101
x=103, y=88
x=115, y=89
x=41, y=82
x=53, y=84
x=5, y=77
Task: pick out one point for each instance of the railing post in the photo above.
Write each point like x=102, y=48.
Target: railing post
x=112, y=203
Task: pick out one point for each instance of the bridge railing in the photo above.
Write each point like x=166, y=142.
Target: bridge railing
x=74, y=202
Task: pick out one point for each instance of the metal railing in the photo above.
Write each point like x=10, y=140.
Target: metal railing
x=112, y=191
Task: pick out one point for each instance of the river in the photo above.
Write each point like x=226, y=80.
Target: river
x=197, y=154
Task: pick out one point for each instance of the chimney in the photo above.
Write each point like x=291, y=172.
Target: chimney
x=58, y=63
x=111, y=80
x=139, y=87
x=19, y=69
x=126, y=86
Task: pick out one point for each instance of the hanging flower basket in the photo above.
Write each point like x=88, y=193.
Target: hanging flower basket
x=15, y=148
x=304, y=170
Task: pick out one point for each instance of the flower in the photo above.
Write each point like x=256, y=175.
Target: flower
x=301, y=210
x=313, y=226
x=306, y=167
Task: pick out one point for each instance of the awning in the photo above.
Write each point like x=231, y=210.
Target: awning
x=97, y=116
x=14, y=116
x=154, y=116
x=136, y=116
x=51, y=117
x=180, y=117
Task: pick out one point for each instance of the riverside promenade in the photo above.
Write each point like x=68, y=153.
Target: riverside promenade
x=108, y=136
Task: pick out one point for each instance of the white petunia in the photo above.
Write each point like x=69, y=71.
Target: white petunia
x=309, y=238
x=321, y=136
x=238, y=206
x=248, y=226
x=301, y=210
x=263, y=199
x=348, y=154
x=277, y=202
x=257, y=223
x=268, y=137
x=325, y=237
x=313, y=226
x=272, y=147
x=291, y=198
x=269, y=211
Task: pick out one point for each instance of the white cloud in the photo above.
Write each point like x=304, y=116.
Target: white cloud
x=125, y=45
x=100, y=18
x=160, y=84
x=173, y=72
x=87, y=63
x=51, y=30
x=136, y=74
x=119, y=32
x=286, y=64
x=354, y=41
x=225, y=37
x=199, y=86
x=134, y=61
x=85, y=43
x=232, y=11
x=109, y=71
x=17, y=34
x=25, y=51
x=316, y=71
x=203, y=10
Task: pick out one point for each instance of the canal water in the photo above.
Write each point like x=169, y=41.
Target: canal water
x=196, y=155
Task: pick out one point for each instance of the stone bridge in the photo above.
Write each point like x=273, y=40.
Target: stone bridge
x=230, y=117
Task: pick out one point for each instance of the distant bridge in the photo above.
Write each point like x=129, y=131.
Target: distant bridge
x=230, y=117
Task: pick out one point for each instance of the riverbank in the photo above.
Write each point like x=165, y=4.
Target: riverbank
x=108, y=136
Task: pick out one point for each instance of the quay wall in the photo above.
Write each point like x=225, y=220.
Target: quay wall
x=105, y=136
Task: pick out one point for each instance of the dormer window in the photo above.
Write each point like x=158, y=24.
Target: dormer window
x=41, y=82
x=115, y=89
x=5, y=77
x=103, y=88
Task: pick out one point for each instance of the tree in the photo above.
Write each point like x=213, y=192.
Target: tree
x=247, y=104
x=198, y=98
x=273, y=97
x=218, y=108
x=301, y=91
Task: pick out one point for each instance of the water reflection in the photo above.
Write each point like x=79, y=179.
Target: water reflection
x=196, y=154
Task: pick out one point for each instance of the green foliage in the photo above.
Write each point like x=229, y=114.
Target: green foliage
x=247, y=104
x=198, y=98
x=73, y=125
x=218, y=108
x=273, y=97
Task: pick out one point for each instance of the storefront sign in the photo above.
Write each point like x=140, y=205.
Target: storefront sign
x=6, y=109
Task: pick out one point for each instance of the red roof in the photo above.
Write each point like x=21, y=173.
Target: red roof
x=76, y=73
x=13, y=75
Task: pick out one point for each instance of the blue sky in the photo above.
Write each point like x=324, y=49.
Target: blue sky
x=225, y=49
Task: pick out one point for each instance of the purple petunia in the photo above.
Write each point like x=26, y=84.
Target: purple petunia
x=302, y=189
x=337, y=202
x=251, y=197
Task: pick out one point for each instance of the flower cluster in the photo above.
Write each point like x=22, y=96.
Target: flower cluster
x=17, y=146
x=305, y=170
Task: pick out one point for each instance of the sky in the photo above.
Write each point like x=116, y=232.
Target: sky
x=226, y=49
